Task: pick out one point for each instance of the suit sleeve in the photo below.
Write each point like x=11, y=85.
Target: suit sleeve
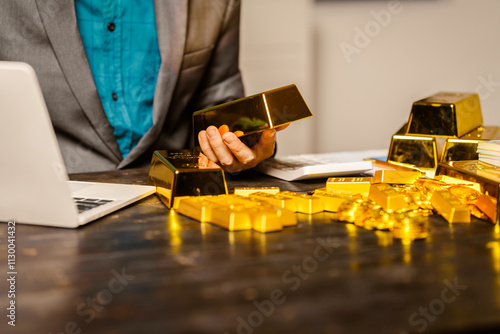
x=222, y=81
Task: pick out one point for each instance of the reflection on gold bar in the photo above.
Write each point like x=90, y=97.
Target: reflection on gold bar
x=395, y=176
x=387, y=197
x=245, y=191
x=450, y=207
x=177, y=173
x=488, y=176
x=355, y=185
x=445, y=114
x=254, y=113
x=304, y=203
x=331, y=201
x=488, y=205
x=276, y=200
x=453, y=180
x=413, y=150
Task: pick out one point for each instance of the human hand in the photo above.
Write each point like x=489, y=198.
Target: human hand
x=228, y=151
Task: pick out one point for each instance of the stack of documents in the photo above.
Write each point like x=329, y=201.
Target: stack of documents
x=489, y=152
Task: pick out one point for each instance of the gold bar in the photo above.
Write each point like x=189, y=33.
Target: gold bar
x=245, y=191
x=418, y=151
x=488, y=205
x=488, y=176
x=254, y=113
x=387, y=197
x=177, y=173
x=276, y=200
x=445, y=114
x=233, y=219
x=194, y=207
x=465, y=148
x=448, y=206
x=396, y=176
x=356, y=185
x=304, y=203
x=331, y=201
x=265, y=219
x=453, y=180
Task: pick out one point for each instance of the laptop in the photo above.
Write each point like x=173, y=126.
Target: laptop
x=34, y=185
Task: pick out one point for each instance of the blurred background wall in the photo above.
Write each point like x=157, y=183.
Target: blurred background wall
x=361, y=64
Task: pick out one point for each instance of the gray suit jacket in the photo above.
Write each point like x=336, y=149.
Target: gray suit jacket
x=198, y=42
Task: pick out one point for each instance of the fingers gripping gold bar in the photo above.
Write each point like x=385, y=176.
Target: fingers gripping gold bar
x=445, y=114
x=177, y=173
x=395, y=176
x=254, y=113
x=304, y=203
x=448, y=206
x=387, y=197
x=245, y=191
x=356, y=185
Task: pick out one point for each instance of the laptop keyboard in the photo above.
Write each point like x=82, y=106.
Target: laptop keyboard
x=85, y=204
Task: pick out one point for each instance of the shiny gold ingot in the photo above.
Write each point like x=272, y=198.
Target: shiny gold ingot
x=256, y=206
x=194, y=207
x=177, y=173
x=254, y=113
x=487, y=175
x=445, y=114
x=452, y=180
x=396, y=176
x=265, y=219
x=355, y=185
x=449, y=207
x=488, y=205
x=245, y=191
x=276, y=200
x=387, y=197
x=232, y=219
x=304, y=203
x=331, y=200
x=465, y=147
x=415, y=150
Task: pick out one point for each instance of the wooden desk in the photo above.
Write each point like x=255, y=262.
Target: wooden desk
x=147, y=270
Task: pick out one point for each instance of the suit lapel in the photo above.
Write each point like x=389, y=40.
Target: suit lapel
x=59, y=20
x=171, y=25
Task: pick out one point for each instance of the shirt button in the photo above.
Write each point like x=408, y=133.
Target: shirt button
x=114, y=96
x=111, y=26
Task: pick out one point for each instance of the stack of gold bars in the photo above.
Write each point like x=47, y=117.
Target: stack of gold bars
x=444, y=127
x=399, y=201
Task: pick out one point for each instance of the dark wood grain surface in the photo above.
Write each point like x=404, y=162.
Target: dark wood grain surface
x=146, y=269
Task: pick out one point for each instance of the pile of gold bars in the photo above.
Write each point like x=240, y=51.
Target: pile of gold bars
x=443, y=127
x=398, y=201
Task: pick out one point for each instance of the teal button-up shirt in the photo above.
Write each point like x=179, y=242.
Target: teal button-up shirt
x=121, y=44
